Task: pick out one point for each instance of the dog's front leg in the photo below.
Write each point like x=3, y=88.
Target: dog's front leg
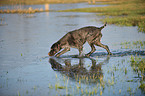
x=80, y=50
x=63, y=51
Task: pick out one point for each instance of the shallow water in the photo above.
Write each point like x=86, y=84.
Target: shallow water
x=25, y=68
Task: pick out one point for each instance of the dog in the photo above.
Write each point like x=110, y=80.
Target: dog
x=77, y=38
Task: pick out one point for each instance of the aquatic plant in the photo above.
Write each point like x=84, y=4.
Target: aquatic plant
x=2, y=21
x=50, y=86
x=119, y=91
x=134, y=44
x=129, y=90
x=142, y=86
x=19, y=93
x=125, y=71
x=138, y=65
x=57, y=86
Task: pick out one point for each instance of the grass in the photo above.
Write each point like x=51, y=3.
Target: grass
x=120, y=12
x=30, y=10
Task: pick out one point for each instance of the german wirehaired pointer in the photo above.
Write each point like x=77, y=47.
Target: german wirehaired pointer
x=77, y=38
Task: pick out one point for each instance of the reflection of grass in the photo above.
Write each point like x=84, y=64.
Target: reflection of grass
x=123, y=12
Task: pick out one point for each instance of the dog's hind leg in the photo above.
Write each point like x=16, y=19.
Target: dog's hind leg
x=80, y=50
x=104, y=46
x=93, y=49
x=63, y=51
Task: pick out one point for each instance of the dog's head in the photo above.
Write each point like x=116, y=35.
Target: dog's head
x=54, y=49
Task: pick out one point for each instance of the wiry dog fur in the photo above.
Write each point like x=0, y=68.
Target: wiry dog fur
x=77, y=38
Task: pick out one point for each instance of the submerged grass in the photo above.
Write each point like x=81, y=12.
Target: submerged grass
x=138, y=65
x=142, y=87
x=134, y=44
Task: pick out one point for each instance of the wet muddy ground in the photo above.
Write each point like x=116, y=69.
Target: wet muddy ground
x=26, y=70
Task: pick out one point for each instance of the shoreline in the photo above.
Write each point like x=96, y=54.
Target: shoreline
x=122, y=13
x=41, y=2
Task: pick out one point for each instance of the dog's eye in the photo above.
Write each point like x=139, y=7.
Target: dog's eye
x=53, y=50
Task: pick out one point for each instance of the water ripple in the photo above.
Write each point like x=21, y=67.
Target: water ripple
x=121, y=53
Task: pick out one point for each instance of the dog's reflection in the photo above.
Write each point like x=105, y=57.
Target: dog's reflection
x=79, y=71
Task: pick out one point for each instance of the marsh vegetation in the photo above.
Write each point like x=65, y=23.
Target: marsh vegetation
x=120, y=12
x=33, y=2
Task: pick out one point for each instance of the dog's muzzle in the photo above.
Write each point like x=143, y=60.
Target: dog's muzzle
x=50, y=54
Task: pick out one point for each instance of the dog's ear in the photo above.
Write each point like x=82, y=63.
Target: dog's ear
x=54, y=46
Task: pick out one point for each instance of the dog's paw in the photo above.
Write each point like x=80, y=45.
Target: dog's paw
x=110, y=53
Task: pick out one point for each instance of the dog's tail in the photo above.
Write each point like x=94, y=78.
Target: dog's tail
x=103, y=26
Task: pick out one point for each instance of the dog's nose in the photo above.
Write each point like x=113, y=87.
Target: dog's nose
x=49, y=54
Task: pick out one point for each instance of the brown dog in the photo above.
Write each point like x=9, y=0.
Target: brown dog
x=77, y=38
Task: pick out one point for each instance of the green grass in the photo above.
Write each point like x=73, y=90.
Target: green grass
x=120, y=12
